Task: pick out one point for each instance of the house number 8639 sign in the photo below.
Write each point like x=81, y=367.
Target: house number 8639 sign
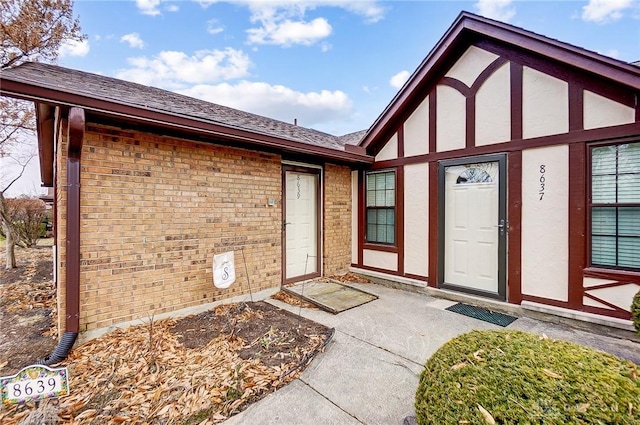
x=34, y=383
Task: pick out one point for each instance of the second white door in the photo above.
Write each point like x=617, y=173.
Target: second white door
x=301, y=225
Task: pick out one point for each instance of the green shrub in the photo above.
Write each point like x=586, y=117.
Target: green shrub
x=635, y=312
x=521, y=378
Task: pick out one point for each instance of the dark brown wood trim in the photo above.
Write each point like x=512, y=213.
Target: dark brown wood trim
x=609, y=274
x=380, y=247
x=516, y=100
x=618, y=314
x=576, y=107
x=511, y=43
x=577, y=223
x=45, y=123
x=470, y=97
x=457, y=85
x=608, y=304
x=486, y=73
x=416, y=277
x=605, y=285
x=433, y=116
x=401, y=141
x=379, y=270
x=400, y=218
x=470, y=131
x=611, y=88
x=547, y=301
x=622, y=133
x=433, y=225
x=361, y=216
x=514, y=234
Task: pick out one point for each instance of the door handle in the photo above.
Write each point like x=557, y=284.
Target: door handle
x=501, y=226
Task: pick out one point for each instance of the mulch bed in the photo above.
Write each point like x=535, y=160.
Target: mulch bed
x=199, y=369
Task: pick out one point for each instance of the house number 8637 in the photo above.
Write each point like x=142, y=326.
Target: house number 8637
x=542, y=180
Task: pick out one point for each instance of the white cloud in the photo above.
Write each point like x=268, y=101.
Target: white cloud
x=175, y=70
x=133, y=39
x=213, y=27
x=325, y=47
x=148, y=7
x=287, y=32
x=604, y=11
x=276, y=101
x=500, y=10
x=283, y=22
x=74, y=48
x=172, y=8
x=399, y=79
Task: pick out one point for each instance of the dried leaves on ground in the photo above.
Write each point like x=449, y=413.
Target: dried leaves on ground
x=200, y=369
x=27, y=309
x=350, y=278
x=291, y=299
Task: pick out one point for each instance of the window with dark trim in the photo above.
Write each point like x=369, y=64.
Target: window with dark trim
x=615, y=206
x=381, y=207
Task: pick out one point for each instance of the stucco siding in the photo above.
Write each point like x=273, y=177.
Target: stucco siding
x=380, y=259
x=545, y=104
x=493, y=109
x=619, y=296
x=450, y=121
x=416, y=219
x=602, y=112
x=416, y=130
x=389, y=150
x=545, y=222
x=470, y=65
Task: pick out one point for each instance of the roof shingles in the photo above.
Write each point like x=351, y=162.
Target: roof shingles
x=137, y=95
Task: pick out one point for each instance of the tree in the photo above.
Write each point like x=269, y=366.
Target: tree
x=28, y=216
x=30, y=30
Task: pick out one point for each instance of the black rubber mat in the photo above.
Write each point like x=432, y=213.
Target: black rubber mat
x=494, y=317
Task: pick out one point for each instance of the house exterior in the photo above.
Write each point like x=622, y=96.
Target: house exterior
x=507, y=167
x=151, y=184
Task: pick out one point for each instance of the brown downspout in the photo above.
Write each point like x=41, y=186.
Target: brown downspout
x=75, y=136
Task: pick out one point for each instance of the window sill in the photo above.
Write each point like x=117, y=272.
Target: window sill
x=380, y=247
x=613, y=274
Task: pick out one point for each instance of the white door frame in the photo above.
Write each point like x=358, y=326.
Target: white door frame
x=501, y=225
x=311, y=170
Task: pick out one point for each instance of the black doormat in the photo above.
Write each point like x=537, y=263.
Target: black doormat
x=494, y=317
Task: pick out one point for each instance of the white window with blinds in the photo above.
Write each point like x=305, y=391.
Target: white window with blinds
x=615, y=206
x=381, y=207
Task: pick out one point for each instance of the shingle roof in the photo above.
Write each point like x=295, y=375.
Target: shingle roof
x=132, y=94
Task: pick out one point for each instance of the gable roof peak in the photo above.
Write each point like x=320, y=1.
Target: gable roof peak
x=468, y=27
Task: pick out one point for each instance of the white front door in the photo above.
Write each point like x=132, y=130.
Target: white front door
x=301, y=225
x=473, y=228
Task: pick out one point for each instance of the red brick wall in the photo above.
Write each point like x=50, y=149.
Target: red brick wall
x=155, y=209
x=337, y=219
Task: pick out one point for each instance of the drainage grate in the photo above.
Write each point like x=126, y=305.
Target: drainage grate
x=499, y=319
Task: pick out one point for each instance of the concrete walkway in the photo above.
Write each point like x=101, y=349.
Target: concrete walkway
x=369, y=372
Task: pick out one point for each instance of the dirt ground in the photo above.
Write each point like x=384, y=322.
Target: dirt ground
x=27, y=309
x=196, y=370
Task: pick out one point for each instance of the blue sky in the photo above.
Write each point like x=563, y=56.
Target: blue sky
x=332, y=64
